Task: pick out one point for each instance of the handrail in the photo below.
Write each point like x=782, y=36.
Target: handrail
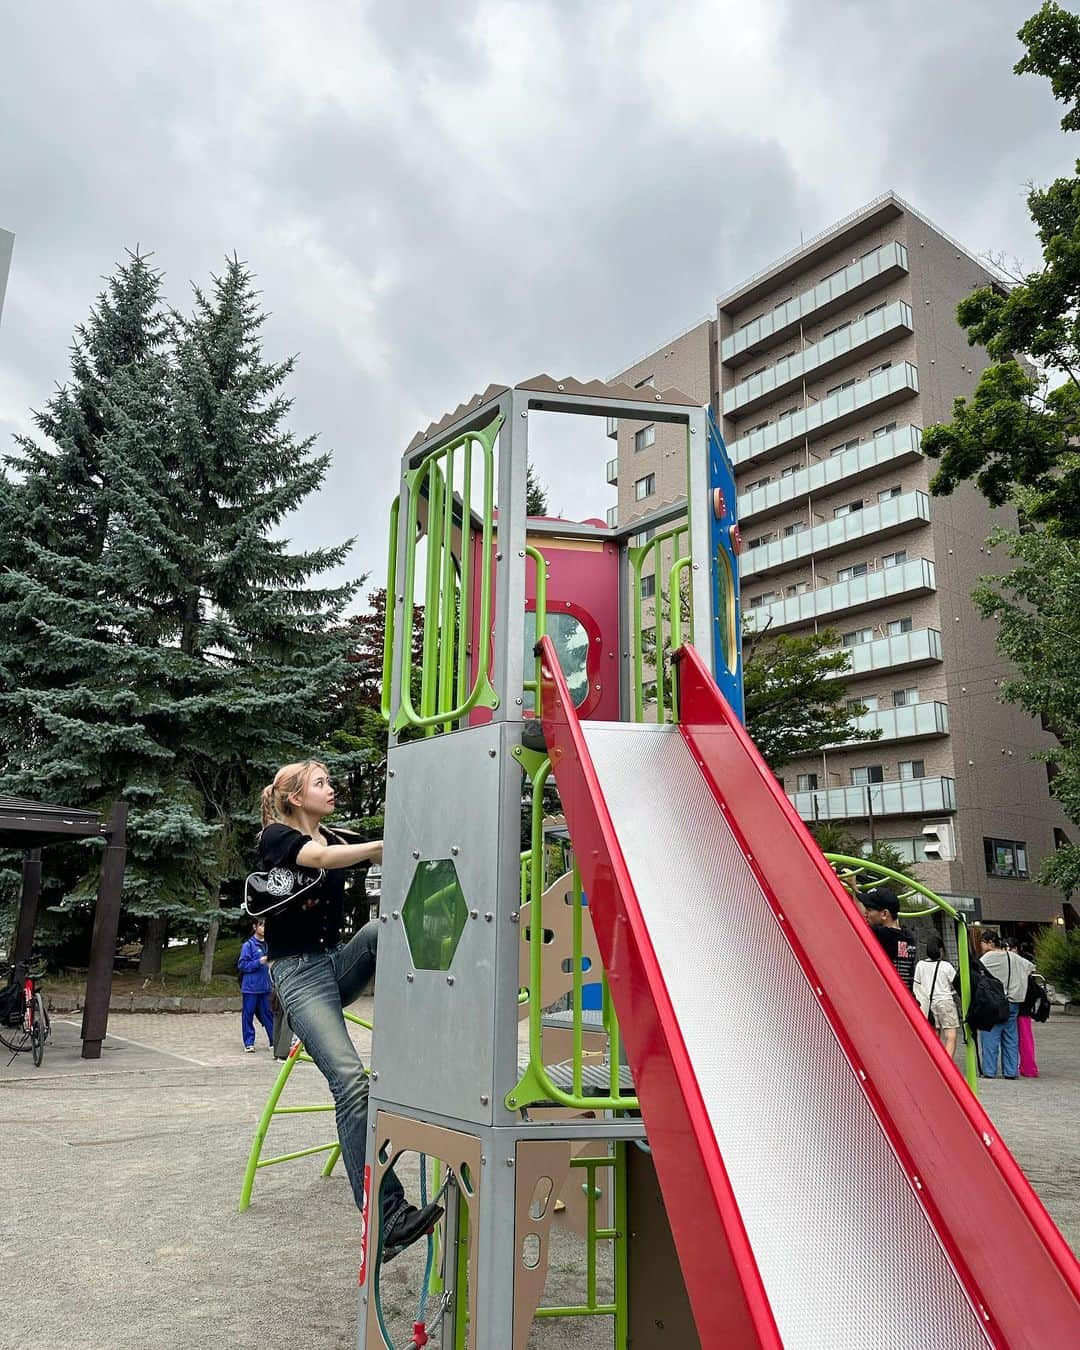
x=443, y=697
x=637, y=555
x=849, y=870
x=540, y=563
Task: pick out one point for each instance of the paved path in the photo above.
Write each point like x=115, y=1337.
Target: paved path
x=119, y=1225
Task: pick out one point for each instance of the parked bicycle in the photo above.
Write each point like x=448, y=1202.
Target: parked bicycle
x=24, y=1023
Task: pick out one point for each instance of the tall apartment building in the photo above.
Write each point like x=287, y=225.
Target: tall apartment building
x=823, y=369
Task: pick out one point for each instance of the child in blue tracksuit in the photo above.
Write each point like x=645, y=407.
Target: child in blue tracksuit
x=255, y=988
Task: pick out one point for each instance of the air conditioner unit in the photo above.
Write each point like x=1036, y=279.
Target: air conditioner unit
x=939, y=841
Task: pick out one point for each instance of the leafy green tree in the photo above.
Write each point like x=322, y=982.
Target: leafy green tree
x=795, y=702
x=1057, y=956
x=210, y=652
x=1021, y=425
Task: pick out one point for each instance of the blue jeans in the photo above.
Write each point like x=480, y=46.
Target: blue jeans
x=252, y=1006
x=314, y=990
x=1004, y=1038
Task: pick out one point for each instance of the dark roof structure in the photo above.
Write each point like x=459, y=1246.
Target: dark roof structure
x=26, y=824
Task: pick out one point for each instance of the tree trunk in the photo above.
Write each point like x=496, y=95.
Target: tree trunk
x=206, y=974
x=155, y=931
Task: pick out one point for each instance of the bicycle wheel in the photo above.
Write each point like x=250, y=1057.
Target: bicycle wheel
x=39, y=1029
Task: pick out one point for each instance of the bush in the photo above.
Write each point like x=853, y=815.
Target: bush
x=1057, y=955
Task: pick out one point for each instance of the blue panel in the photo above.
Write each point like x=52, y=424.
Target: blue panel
x=724, y=570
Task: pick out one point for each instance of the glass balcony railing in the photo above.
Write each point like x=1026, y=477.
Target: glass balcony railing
x=612, y=516
x=896, y=447
x=613, y=426
x=883, y=583
x=920, y=647
x=911, y=722
x=912, y=797
x=886, y=323
x=888, y=517
x=613, y=471
x=876, y=268
x=886, y=387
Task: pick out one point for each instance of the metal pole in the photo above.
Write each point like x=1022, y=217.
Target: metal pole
x=103, y=945
x=870, y=814
x=28, y=905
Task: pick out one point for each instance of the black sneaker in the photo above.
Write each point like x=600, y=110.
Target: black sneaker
x=407, y=1225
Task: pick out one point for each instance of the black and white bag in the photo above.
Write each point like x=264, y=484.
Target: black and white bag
x=266, y=892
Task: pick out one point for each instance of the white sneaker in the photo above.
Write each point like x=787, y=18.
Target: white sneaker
x=249, y=1049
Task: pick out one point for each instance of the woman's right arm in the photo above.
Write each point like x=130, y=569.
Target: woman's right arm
x=334, y=856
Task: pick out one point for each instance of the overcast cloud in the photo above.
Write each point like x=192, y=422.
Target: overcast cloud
x=436, y=196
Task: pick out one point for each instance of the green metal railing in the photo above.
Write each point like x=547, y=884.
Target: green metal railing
x=540, y=563
x=638, y=555
x=445, y=695
x=536, y=1085
x=297, y=1055
x=917, y=901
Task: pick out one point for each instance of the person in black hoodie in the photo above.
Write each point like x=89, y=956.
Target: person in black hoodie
x=316, y=976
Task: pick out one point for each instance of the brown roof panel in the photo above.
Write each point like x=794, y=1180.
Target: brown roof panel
x=546, y=384
x=477, y=401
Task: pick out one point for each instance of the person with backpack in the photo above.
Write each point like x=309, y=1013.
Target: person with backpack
x=1035, y=1008
x=933, y=988
x=1012, y=970
x=255, y=988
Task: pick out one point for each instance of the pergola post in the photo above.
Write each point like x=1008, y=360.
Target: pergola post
x=103, y=944
x=28, y=905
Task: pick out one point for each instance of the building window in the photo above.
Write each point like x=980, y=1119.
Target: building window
x=867, y=701
x=894, y=559
x=1005, y=858
x=786, y=357
x=648, y=587
x=758, y=541
x=897, y=626
x=874, y=309
x=855, y=570
x=901, y=698
x=848, y=508
x=642, y=537
x=848, y=445
x=912, y=768
x=645, y=487
x=644, y=438
x=848, y=384
x=760, y=371
x=838, y=329
x=789, y=412
x=766, y=598
x=885, y=430
x=876, y=370
x=797, y=588
x=795, y=528
x=791, y=468
x=887, y=494
x=761, y=482
x=869, y=773
x=806, y=782
x=857, y=637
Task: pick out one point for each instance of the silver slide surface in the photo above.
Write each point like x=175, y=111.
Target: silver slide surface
x=848, y=1255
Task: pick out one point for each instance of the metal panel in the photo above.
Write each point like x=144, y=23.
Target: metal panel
x=7, y=244
x=846, y=1251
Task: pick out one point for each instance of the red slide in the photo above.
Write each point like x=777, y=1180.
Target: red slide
x=829, y=1178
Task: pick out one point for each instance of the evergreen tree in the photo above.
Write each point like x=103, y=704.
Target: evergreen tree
x=536, y=498
x=211, y=654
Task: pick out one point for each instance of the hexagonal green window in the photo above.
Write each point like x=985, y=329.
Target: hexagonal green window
x=434, y=915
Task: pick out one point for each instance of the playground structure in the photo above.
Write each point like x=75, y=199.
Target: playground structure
x=827, y=1177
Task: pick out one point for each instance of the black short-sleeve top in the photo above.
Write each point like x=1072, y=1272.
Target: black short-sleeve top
x=313, y=922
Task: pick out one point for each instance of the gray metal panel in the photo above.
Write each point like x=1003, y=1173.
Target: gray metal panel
x=7, y=243
x=846, y=1251
x=700, y=508
x=509, y=644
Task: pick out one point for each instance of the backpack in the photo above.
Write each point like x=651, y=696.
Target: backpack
x=989, y=1007
x=1036, y=1004
x=11, y=1004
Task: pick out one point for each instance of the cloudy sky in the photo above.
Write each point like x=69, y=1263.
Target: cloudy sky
x=436, y=196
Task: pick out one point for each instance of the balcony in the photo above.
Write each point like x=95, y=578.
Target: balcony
x=884, y=264
x=905, y=512
x=831, y=413
x=850, y=466
x=613, y=427
x=911, y=797
x=858, y=339
x=903, y=651
x=612, y=517
x=914, y=722
x=613, y=471
x=844, y=597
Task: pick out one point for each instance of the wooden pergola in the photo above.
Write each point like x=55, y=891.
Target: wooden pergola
x=32, y=826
